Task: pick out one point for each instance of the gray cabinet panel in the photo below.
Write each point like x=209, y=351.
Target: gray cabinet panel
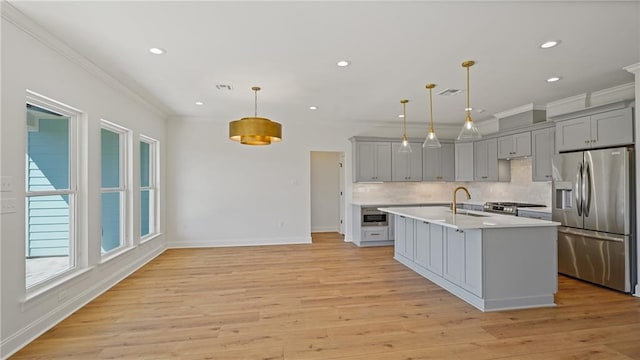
x=464, y=161
x=435, y=249
x=543, y=142
x=612, y=128
x=406, y=166
x=454, y=256
x=422, y=240
x=372, y=161
x=439, y=164
x=573, y=134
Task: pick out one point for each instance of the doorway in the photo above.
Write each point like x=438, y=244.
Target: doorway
x=327, y=192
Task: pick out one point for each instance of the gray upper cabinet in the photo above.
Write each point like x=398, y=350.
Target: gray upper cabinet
x=610, y=128
x=406, y=166
x=514, y=146
x=486, y=165
x=438, y=164
x=372, y=161
x=543, y=142
x=464, y=161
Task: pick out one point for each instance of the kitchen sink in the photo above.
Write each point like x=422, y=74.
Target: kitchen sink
x=466, y=213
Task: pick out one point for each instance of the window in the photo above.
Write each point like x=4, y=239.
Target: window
x=148, y=187
x=113, y=150
x=51, y=194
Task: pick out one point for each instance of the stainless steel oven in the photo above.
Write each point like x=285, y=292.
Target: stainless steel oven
x=374, y=217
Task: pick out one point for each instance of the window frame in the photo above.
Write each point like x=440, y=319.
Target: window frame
x=124, y=135
x=153, y=188
x=77, y=254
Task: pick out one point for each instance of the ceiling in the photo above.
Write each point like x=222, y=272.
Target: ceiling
x=290, y=49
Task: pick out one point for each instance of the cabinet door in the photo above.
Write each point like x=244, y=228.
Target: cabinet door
x=522, y=144
x=410, y=233
x=454, y=256
x=505, y=147
x=383, y=161
x=491, y=160
x=448, y=162
x=483, y=165
x=400, y=235
x=543, y=142
x=422, y=240
x=464, y=161
x=432, y=164
x=573, y=134
x=365, y=160
x=406, y=166
x=612, y=128
x=472, y=280
x=435, y=251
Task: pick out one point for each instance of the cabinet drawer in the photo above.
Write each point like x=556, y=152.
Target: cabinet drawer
x=375, y=235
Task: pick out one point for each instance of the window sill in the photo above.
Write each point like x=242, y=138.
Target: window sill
x=149, y=237
x=110, y=256
x=45, y=289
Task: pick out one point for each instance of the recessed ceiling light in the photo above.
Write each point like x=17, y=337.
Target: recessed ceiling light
x=157, y=51
x=401, y=116
x=313, y=108
x=549, y=44
x=343, y=63
x=554, y=79
x=199, y=103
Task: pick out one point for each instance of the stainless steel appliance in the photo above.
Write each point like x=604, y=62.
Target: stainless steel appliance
x=507, y=208
x=593, y=197
x=374, y=217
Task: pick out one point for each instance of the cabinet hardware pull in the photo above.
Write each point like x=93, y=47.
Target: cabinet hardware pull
x=586, y=141
x=372, y=234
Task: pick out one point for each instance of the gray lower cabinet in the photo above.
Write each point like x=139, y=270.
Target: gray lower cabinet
x=543, y=146
x=404, y=236
x=372, y=161
x=438, y=164
x=491, y=269
x=605, y=129
x=406, y=166
x=464, y=161
x=429, y=241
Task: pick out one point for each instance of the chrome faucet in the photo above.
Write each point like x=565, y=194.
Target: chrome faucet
x=453, y=206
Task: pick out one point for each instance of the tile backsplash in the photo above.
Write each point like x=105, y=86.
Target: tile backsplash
x=521, y=189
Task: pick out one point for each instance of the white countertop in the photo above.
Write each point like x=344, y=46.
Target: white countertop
x=546, y=209
x=427, y=203
x=444, y=217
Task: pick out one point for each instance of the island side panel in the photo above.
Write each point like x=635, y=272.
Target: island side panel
x=520, y=267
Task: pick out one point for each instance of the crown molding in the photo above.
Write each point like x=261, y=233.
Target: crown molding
x=45, y=37
x=520, y=110
x=566, y=105
x=635, y=68
x=613, y=94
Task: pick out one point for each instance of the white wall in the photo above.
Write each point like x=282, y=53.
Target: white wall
x=222, y=193
x=325, y=191
x=29, y=64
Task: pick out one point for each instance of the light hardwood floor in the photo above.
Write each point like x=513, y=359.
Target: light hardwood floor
x=327, y=300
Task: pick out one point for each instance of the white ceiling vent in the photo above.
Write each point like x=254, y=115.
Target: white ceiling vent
x=227, y=87
x=450, y=92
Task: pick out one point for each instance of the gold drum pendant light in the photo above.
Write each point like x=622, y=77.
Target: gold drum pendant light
x=432, y=139
x=469, y=130
x=255, y=130
x=406, y=147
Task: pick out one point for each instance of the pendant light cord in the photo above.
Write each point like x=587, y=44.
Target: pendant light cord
x=255, y=103
x=468, y=91
x=431, y=111
x=404, y=119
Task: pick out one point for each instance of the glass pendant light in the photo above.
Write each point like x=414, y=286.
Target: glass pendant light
x=406, y=147
x=432, y=139
x=469, y=129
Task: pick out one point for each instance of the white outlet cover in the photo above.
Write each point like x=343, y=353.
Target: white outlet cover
x=6, y=183
x=8, y=206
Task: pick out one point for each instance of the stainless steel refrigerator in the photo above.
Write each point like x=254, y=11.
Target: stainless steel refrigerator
x=593, y=198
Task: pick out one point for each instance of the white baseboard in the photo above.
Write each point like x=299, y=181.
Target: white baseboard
x=27, y=334
x=239, y=242
x=325, y=229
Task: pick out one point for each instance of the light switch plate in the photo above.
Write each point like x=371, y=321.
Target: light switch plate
x=6, y=183
x=8, y=206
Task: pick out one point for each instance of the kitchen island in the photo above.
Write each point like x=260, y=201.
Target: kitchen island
x=493, y=262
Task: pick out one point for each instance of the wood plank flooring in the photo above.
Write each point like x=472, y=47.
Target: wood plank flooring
x=327, y=300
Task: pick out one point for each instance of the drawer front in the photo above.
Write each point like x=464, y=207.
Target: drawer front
x=375, y=235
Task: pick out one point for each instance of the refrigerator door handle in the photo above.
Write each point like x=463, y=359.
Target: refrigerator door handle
x=586, y=185
x=578, y=189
